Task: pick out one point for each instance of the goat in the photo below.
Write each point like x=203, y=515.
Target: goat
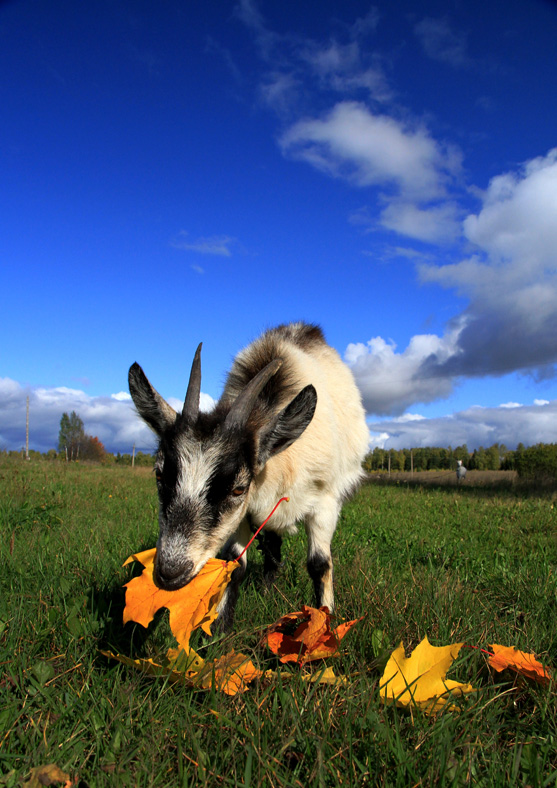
x=290, y=422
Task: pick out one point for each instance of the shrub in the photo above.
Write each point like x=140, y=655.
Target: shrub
x=539, y=461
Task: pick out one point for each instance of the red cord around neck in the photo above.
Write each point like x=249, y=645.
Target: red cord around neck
x=263, y=524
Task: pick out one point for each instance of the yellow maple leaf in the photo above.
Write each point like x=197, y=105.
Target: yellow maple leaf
x=519, y=661
x=190, y=607
x=419, y=680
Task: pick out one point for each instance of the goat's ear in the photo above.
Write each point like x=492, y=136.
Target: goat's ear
x=287, y=426
x=152, y=408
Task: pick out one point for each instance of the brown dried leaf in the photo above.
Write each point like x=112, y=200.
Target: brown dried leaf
x=47, y=775
x=306, y=635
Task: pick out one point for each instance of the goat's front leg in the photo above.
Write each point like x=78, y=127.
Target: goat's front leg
x=230, y=552
x=320, y=527
x=271, y=544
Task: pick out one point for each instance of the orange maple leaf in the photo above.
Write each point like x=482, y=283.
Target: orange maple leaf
x=306, y=635
x=190, y=607
x=519, y=661
x=230, y=673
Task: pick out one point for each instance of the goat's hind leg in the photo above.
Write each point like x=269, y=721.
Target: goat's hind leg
x=320, y=527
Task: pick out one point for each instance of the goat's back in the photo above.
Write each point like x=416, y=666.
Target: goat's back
x=327, y=458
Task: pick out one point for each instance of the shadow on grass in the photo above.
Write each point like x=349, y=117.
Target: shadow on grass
x=106, y=603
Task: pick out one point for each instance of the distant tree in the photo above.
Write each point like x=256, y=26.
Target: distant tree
x=461, y=453
x=144, y=459
x=508, y=463
x=92, y=449
x=71, y=437
x=493, y=460
x=478, y=460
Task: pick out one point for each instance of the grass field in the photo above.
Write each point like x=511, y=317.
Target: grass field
x=476, y=564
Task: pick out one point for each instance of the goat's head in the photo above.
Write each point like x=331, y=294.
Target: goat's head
x=206, y=464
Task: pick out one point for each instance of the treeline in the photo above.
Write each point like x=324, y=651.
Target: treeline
x=104, y=457
x=535, y=461
x=539, y=461
x=75, y=445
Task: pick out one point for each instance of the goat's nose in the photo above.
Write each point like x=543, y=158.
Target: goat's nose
x=172, y=576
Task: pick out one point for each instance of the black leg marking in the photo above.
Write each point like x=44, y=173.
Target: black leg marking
x=226, y=615
x=271, y=547
x=318, y=565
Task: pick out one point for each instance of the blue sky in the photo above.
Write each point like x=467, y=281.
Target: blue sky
x=175, y=173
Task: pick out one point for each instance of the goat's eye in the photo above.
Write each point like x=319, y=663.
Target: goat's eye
x=237, y=491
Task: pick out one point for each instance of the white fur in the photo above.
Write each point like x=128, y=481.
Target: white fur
x=323, y=466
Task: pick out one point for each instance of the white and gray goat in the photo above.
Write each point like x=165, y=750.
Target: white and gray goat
x=290, y=422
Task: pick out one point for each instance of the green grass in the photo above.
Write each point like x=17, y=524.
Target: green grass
x=477, y=565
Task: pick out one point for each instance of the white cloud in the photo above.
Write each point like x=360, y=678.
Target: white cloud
x=527, y=424
x=340, y=67
x=510, y=405
x=541, y=402
x=511, y=322
x=509, y=274
x=353, y=140
x=433, y=224
x=390, y=382
x=112, y=418
x=206, y=403
x=517, y=223
x=379, y=440
x=218, y=245
x=370, y=149
x=279, y=90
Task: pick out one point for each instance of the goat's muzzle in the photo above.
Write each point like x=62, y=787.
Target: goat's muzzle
x=171, y=577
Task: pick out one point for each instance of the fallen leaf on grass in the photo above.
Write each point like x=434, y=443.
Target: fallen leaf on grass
x=306, y=635
x=190, y=607
x=151, y=668
x=326, y=676
x=230, y=673
x=525, y=664
x=47, y=775
x=419, y=680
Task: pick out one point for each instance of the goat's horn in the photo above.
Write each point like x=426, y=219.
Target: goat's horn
x=190, y=410
x=243, y=405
